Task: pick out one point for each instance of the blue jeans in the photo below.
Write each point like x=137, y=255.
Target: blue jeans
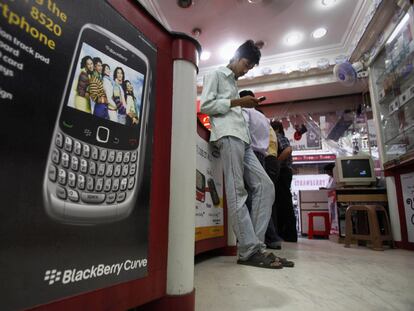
x=241, y=164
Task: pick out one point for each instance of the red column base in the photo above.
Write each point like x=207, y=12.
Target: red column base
x=184, y=302
x=404, y=245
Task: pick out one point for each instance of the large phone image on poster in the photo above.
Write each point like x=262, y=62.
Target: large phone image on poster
x=93, y=172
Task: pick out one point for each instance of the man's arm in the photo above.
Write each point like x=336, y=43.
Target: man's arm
x=245, y=102
x=285, y=153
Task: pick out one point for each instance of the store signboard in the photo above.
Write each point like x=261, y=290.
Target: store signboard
x=76, y=149
x=314, y=157
x=407, y=185
x=305, y=182
x=209, y=217
x=309, y=182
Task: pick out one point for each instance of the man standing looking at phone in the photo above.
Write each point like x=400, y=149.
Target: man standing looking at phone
x=229, y=131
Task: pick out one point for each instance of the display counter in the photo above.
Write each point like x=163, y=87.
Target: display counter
x=211, y=225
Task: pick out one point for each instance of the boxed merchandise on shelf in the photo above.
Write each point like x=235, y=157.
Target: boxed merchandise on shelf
x=393, y=73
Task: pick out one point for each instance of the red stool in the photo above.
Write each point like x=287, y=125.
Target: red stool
x=327, y=224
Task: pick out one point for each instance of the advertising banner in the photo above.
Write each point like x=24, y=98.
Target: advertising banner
x=209, y=215
x=77, y=99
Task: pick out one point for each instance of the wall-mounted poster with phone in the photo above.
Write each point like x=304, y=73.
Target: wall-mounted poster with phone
x=310, y=137
x=209, y=221
x=77, y=99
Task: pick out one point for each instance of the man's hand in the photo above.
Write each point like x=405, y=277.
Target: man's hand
x=245, y=102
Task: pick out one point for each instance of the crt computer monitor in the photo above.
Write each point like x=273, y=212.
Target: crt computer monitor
x=355, y=170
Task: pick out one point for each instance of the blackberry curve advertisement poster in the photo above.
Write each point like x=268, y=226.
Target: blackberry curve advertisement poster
x=77, y=95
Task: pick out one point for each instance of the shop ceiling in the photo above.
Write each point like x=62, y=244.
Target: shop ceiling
x=286, y=71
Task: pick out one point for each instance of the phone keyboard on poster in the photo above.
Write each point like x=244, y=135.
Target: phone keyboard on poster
x=90, y=174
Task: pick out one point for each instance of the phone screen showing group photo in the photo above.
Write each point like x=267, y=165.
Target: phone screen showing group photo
x=106, y=88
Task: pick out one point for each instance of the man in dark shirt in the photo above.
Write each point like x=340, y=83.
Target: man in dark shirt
x=286, y=219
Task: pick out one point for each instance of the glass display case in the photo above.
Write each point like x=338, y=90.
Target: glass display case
x=392, y=88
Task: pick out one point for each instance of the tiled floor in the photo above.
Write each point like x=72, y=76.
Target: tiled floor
x=327, y=276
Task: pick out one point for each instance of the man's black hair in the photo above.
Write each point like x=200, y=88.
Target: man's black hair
x=249, y=51
x=250, y=93
x=246, y=93
x=277, y=126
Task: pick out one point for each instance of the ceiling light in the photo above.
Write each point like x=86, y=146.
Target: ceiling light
x=293, y=38
x=254, y=1
x=228, y=50
x=196, y=32
x=205, y=55
x=319, y=33
x=184, y=4
x=328, y=2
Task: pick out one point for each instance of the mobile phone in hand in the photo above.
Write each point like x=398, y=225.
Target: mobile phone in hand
x=261, y=98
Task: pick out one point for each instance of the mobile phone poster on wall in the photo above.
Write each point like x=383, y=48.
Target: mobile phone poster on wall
x=310, y=139
x=209, y=221
x=407, y=185
x=76, y=149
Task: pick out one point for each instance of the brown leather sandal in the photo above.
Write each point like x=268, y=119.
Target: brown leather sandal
x=260, y=260
x=285, y=263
